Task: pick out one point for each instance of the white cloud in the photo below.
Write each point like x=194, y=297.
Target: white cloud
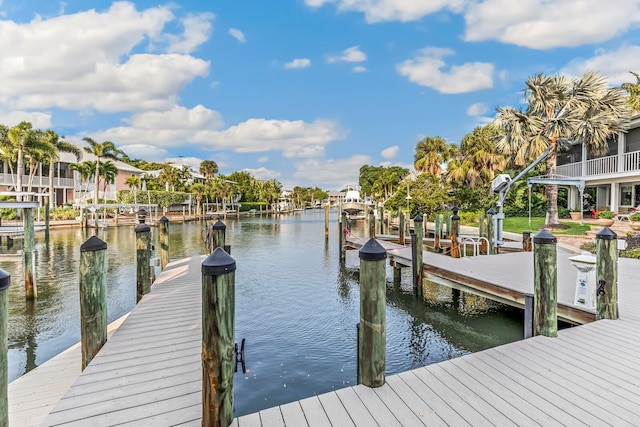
x=199, y=125
x=262, y=174
x=477, y=109
x=193, y=162
x=391, y=10
x=330, y=173
x=614, y=64
x=542, y=24
x=298, y=63
x=148, y=152
x=237, y=34
x=350, y=54
x=426, y=70
x=359, y=69
x=83, y=61
x=39, y=120
x=197, y=28
x=390, y=152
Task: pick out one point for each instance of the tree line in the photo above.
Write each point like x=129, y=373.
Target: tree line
x=559, y=111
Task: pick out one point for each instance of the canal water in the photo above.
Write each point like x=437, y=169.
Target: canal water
x=296, y=306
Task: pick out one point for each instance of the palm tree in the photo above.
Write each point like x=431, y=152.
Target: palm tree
x=37, y=153
x=20, y=137
x=85, y=170
x=559, y=110
x=208, y=168
x=133, y=182
x=478, y=160
x=431, y=153
x=108, y=173
x=61, y=146
x=169, y=176
x=103, y=150
x=199, y=190
x=633, y=92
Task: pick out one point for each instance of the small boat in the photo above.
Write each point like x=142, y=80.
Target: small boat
x=353, y=204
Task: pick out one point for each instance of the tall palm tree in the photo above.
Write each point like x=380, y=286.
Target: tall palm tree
x=431, y=152
x=108, y=173
x=199, y=190
x=208, y=168
x=85, y=170
x=478, y=160
x=133, y=182
x=560, y=109
x=102, y=150
x=61, y=146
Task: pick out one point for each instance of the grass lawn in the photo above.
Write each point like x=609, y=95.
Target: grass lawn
x=520, y=224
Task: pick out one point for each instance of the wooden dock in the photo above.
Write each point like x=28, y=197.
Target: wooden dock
x=149, y=372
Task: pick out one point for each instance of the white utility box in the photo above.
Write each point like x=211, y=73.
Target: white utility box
x=585, y=295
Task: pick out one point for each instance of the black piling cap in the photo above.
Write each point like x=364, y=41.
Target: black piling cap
x=418, y=218
x=93, y=244
x=141, y=228
x=606, y=234
x=491, y=211
x=372, y=251
x=219, y=225
x=545, y=238
x=219, y=262
x=5, y=280
x=164, y=219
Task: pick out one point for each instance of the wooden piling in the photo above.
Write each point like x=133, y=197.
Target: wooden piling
x=437, y=232
x=93, y=297
x=397, y=275
x=164, y=241
x=545, y=313
x=218, y=355
x=482, y=233
x=343, y=236
x=29, y=244
x=143, y=272
x=183, y=214
x=372, y=224
x=326, y=222
x=491, y=231
x=606, y=274
x=447, y=223
x=372, y=333
x=455, y=233
x=5, y=282
x=526, y=241
x=381, y=219
x=218, y=236
x=401, y=228
x=416, y=252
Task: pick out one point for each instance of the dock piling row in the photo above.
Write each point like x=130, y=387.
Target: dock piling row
x=143, y=256
x=416, y=258
x=164, y=241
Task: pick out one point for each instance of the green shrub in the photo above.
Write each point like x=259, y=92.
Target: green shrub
x=634, y=217
x=605, y=215
x=247, y=206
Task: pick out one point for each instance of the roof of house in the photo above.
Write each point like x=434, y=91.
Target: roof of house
x=122, y=166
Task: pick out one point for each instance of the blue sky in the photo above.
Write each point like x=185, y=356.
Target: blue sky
x=304, y=91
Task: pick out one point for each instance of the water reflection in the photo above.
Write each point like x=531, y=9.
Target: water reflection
x=296, y=305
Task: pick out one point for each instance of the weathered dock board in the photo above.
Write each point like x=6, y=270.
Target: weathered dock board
x=149, y=373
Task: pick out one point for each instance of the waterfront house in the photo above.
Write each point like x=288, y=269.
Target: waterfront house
x=68, y=186
x=612, y=180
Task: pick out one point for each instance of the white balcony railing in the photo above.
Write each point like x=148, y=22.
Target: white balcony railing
x=628, y=162
x=38, y=181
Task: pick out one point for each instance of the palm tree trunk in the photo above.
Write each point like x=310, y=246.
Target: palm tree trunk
x=97, y=181
x=19, y=168
x=552, y=190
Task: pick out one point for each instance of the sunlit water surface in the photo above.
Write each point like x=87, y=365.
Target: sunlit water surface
x=296, y=307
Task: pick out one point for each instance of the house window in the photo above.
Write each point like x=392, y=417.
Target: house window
x=626, y=193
